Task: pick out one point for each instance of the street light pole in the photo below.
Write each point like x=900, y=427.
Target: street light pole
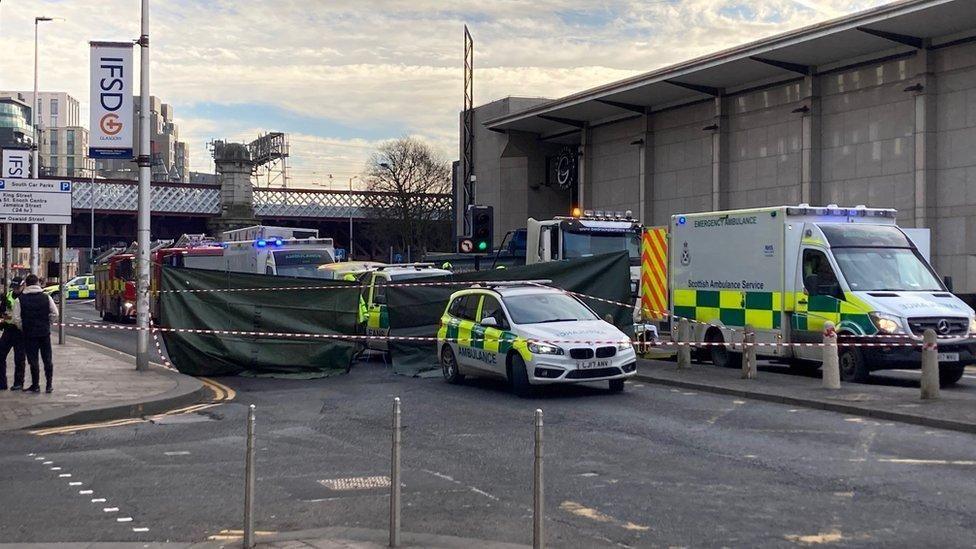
x=35, y=260
x=142, y=230
x=350, y=217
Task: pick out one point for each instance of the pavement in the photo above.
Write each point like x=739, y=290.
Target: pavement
x=897, y=401
x=94, y=383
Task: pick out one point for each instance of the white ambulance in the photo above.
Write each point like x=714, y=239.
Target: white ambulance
x=787, y=270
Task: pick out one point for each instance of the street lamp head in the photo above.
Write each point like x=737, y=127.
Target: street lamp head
x=39, y=19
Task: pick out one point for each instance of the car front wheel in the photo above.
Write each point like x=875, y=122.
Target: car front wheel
x=519, y=378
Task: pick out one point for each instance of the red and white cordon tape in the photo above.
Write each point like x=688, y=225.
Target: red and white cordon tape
x=432, y=339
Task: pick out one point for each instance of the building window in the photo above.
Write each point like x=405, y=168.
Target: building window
x=71, y=166
x=70, y=141
x=54, y=141
x=54, y=165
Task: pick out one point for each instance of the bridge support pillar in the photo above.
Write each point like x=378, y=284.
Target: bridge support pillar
x=234, y=167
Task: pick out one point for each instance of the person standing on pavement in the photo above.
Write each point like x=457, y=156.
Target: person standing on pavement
x=33, y=314
x=11, y=338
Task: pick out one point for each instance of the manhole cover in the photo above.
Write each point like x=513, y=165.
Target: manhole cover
x=356, y=483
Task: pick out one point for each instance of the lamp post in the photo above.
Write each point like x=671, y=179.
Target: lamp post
x=35, y=260
x=142, y=225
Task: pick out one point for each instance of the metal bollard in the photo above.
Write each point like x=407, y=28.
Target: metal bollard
x=831, y=363
x=930, y=366
x=749, y=370
x=249, y=482
x=395, y=477
x=538, y=500
x=684, y=344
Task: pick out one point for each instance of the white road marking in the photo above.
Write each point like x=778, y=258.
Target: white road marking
x=40, y=458
x=30, y=455
x=928, y=461
x=64, y=475
x=48, y=463
x=111, y=509
x=76, y=483
x=356, y=483
x=124, y=519
x=451, y=479
x=98, y=500
x=140, y=529
x=85, y=492
x=55, y=468
x=180, y=453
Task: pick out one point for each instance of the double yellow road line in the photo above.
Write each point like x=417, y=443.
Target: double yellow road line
x=221, y=392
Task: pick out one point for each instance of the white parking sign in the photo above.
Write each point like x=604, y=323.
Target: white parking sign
x=41, y=201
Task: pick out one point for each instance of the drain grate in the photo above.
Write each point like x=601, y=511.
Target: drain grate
x=356, y=483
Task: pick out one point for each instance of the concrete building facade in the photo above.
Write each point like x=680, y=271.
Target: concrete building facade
x=170, y=156
x=878, y=108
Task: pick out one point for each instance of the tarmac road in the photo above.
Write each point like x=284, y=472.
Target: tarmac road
x=652, y=466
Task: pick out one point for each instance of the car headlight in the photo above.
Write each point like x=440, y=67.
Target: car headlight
x=624, y=345
x=887, y=324
x=972, y=325
x=544, y=348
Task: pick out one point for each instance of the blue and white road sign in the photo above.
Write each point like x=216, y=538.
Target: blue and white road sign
x=41, y=201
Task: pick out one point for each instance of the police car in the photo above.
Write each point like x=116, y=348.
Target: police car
x=79, y=287
x=530, y=335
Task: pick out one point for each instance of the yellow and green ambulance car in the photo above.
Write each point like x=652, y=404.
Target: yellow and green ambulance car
x=530, y=335
x=377, y=317
x=787, y=270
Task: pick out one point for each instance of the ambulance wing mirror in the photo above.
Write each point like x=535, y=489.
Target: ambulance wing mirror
x=489, y=322
x=947, y=280
x=811, y=283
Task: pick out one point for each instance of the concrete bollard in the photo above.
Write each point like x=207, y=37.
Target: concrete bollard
x=930, y=366
x=831, y=362
x=249, y=482
x=684, y=344
x=749, y=370
x=538, y=498
x=395, y=477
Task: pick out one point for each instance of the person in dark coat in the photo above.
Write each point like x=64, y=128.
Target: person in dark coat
x=33, y=313
x=11, y=338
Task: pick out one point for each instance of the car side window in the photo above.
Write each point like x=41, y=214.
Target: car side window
x=816, y=264
x=491, y=307
x=456, y=307
x=467, y=306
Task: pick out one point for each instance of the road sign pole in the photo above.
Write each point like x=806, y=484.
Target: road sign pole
x=62, y=275
x=142, y=232
x=8, y=255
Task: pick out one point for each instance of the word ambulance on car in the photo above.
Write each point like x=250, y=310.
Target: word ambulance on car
x=788, y=270
x=530, y=335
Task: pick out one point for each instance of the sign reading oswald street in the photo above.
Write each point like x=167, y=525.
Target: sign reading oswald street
x=16, y=163
x=41, y=201
x=111, y=100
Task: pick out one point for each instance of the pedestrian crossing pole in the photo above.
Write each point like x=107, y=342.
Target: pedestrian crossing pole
x=62, y=275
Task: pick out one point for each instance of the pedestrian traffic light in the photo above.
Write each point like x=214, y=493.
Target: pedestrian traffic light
x=482, y=227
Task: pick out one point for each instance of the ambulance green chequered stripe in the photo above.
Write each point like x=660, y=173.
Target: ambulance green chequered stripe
x=471, y=334
x=762, y=310
x=378, y=318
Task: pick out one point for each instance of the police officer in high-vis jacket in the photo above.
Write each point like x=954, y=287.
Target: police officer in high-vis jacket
x=11, y=338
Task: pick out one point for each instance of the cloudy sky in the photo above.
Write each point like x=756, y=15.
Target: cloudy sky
x=339, y=76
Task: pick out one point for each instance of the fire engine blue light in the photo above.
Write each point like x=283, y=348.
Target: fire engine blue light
x=681, y=220
x=261, y=243
x=278, y=242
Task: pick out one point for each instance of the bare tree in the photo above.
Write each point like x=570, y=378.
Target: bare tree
x=409, y=170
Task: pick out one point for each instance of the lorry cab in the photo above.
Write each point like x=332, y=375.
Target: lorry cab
x=788, y=270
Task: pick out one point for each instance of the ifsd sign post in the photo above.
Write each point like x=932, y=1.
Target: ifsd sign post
x=111, y=100
x=16, y=164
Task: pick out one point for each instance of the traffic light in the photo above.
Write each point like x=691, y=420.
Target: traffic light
x=482, y=228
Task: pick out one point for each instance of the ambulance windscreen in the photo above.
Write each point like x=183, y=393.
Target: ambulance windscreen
x=304, y=263
x=864, y=236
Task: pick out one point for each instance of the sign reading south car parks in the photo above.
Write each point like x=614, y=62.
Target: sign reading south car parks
x=40, y=201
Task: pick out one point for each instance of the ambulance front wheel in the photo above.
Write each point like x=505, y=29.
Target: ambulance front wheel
x=449, y=366
x=518, y=376
x=852, y=365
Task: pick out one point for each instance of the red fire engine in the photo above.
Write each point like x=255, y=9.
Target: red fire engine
x=115, y=287
x=194, y=251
